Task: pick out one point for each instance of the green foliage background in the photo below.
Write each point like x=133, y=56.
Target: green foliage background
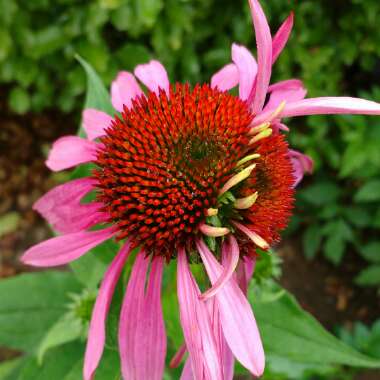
x=334, y=49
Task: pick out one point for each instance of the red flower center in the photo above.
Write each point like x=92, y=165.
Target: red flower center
x=164, y=160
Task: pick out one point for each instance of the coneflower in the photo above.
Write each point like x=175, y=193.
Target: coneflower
x=187, y=174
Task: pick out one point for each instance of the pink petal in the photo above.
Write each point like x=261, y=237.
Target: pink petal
x=154, y=76
x=226, y=78
x=70, y=151
x=247, y=69
x=187, y=372
x=196, y=325
x=64, y=249
x=301, y=164
x=281, y=37
x=95, y=122
x=238, y=323
x=228, y=269
x=264, y=56
x=142, y=338
x=331, y=105
x=244, y=273
x=124, y=89
x=61, y=207
x=151, y=337
x=97, y=330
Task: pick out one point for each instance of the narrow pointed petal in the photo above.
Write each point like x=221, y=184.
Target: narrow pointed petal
x=213, y=231
x=264, y=56
x=123, y=90
x=301, y=164
x=258, y=240
x=63, y=249
x=178, y=356
x=281, y=37
x=238, y=323
x=95, y=122
x=226, y=78
x=196, y=325
x=97, y=330
x=62, y=207
x=228, y=269
x=70, y=151
x=247, y=69
x=150, y=344
x=132, y=310
x=153, y=75
x=331, y=105
x=244, y=273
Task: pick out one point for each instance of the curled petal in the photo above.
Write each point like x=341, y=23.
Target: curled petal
x=301, y=164
x=61, y=207
x=95, y=122
x=123, y=90
x=229, y=267
x=97, y=329
x=154, y=76
x=226, y=78
x=70, y=151
x=258, y=240
x=247, y=69
x=238, y=323
x=288, y=84
x=281, y=37
x=196, y=325
x=264, y=56
x=213, y=231
x=61, y=250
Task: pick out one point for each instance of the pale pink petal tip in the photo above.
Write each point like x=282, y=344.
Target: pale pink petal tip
x=281, y=37
x=154, y=76
x=142, y=338
x=70, y=151
x=123, y=90
x=226, y=78
x=247, y=69
x=97, y=329
x=237, y=320
x=63, y=209
x=95, y=123
x=63, y=249
x=264, y=56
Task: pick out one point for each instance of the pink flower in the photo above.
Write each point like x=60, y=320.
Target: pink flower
x=186, y=174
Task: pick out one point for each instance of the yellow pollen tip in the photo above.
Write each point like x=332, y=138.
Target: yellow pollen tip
x=237, y=178
x=258, y=128
x=212, y=212
x=263, y=134
x=277, y=111
x=246, y=202
x=247, y=158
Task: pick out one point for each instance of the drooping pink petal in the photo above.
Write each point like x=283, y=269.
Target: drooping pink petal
x=289, y=91
x=142, y=338
x=97, y=330
x=301, y=164
x=281, y=37
x=229, y=267
x=124, y=89
x=150, y=349
x=244, y=272
x=226, y=78
x=69, y=151
x=153, y=75
x=264, y=56
x=63, y=249
x=247, y=69
x=187, y=372
x=61, y=207
x=238, y=323
x=196, y=325
x=331, y=105
x=131, y=311
x=95, y=122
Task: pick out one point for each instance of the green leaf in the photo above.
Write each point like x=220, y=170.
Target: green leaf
x=30, y=305
x=321, y=193
x=7, y=367
x=96, y=95
x=312, y=240
x=369, y=192
x=19, y=100
x=65, y=330
x=369, y=276
x=371, y=251
x=290, y=332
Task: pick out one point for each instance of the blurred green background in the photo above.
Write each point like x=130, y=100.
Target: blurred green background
x=334, y=49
